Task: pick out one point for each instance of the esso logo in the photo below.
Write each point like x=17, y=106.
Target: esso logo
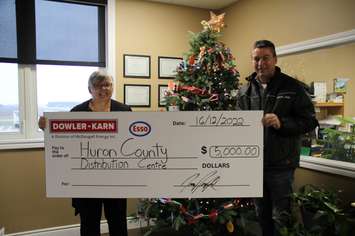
x=139, y=128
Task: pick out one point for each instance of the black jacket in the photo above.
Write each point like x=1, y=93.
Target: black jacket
x=115, y=106
x=287, y=98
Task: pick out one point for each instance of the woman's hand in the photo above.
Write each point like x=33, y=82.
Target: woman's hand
x=42, y=122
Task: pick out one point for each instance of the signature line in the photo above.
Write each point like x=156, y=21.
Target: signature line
x=107, y=185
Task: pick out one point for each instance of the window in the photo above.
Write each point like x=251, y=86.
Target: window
x=68, y=33
x=9, y=98
x=48, y=49
x=68, y=80
x=8, y=39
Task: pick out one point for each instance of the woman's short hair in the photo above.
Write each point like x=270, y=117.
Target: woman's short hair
x=96, y=77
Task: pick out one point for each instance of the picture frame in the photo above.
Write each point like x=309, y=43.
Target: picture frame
x=136, y=66
x=136, y=95
x=167, y=67
x=320, y=91
x=161, y=90
x=340, y=85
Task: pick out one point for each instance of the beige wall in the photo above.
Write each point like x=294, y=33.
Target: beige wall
x=325, y=65
x=23, y=202
x=283, y=22
x=153, y=29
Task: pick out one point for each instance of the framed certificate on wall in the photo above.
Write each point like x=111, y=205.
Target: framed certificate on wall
x=167, y=67
x=136, y=66
x=136, y=95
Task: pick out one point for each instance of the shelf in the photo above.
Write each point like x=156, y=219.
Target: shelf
x=329, y=104
x=325, y=109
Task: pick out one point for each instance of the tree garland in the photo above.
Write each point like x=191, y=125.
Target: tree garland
x=176, y=213
x=212, y=215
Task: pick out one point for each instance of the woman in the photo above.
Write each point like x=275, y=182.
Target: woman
x=89, y=209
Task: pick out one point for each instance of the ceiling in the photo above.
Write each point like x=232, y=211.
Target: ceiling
x=205, y=4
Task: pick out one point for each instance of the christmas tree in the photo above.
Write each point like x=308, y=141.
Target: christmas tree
x=207, y=79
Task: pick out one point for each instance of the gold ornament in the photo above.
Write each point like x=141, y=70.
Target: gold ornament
x=230, y=227
x=216, y=23
x=205, y=24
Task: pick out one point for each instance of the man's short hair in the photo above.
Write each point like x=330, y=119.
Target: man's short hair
x=265, y=44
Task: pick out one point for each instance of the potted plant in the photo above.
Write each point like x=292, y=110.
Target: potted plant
x=320, y=211
x=340, y=144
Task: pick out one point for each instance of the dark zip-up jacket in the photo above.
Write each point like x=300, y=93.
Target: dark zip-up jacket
x=287, y=98
x=115, y=106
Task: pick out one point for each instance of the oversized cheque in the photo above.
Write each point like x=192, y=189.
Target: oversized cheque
x=154, y=154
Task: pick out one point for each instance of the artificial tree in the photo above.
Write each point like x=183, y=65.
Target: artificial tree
x=207, y=79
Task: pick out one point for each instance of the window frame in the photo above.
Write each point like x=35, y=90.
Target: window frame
x=29, y=135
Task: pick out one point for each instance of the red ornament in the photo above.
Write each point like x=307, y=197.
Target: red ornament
x=193, y=90
x=213, y=215
x=182, y=209
x=191, y=59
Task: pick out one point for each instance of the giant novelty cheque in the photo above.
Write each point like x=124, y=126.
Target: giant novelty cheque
x=154, y=154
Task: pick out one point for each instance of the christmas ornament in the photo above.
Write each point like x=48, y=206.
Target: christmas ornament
x=230, y=227
x=206, y=79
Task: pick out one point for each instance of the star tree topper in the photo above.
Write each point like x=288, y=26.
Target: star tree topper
x=216, y=23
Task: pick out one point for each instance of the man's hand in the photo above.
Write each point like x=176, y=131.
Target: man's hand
x=42, y=122
x=270, y=119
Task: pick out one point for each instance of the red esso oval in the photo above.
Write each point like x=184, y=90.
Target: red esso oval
x=139, y=128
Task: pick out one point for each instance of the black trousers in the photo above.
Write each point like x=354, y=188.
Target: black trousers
x=90, y=210
x=276, y=200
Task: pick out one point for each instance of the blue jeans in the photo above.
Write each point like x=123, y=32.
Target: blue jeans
x=276, y=199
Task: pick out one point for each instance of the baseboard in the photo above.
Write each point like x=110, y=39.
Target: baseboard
x=74, y=230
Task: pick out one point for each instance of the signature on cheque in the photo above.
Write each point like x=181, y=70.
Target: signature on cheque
x=197, y=182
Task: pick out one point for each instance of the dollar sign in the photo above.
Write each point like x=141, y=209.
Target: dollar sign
x=203, y=149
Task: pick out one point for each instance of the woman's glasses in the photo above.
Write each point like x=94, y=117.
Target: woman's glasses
x=103, y=85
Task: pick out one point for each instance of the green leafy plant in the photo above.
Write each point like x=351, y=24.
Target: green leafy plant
x=321, y=211
x=290, y=225
x=340, y=145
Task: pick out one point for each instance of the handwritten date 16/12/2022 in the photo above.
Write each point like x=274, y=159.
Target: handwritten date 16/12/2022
x=218, y=120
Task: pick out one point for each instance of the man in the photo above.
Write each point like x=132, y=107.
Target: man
x=288, y=114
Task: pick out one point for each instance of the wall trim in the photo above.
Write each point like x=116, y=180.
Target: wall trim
x=21, y=144
x=74, y=230
x=316, y=43
x=111, y=42
x=329, y=166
